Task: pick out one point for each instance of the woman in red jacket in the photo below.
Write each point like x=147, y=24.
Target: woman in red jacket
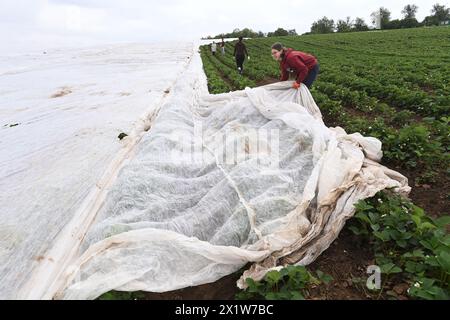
x=302, y=66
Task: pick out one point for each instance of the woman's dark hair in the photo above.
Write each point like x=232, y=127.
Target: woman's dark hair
x=277, y=46
x=240, y=38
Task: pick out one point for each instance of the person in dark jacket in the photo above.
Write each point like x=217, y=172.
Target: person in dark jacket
x=240, y=51
x=296, y=65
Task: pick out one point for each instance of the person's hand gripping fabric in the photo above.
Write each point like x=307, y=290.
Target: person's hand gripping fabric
x=296, y=85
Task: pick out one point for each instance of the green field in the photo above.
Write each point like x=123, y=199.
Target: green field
x=395, y=86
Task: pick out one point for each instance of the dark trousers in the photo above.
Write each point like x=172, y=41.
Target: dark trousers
x=312, y=75
x=240, y=61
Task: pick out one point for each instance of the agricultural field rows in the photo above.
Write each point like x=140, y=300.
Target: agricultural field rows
x=395, y=86
x=406, y=96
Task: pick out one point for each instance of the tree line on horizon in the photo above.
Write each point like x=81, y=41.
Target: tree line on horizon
x=440, y=14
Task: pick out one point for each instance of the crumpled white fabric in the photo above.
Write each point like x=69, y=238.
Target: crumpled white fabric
x=170, y=223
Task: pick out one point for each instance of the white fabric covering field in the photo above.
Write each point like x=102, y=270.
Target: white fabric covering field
x=64, y=150
x=159, y=211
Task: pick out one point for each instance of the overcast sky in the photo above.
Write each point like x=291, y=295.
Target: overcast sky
x=88, y=22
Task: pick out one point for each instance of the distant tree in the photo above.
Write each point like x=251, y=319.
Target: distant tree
x=292, y=32
x=280, y=32
x=393, y=24
x=385, y=16
x=440, y=12
x=409, y=11
x=410, y=23
x=430, y=21
x=323, y=25
x=344, y=25
x=246, y=33
x=360, y=25
x=403, y=23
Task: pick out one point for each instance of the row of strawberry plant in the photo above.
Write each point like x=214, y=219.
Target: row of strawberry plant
x=238, y=82
x=410, y=146
x=417, y=101
x=410, y=247
x=215, y=82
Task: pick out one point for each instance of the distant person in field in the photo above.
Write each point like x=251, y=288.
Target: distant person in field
x=222, y=47
x=240, y=51
x=296, y=65
x=214, y=48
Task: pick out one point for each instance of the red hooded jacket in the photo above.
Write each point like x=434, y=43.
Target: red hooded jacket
x=301, y=63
